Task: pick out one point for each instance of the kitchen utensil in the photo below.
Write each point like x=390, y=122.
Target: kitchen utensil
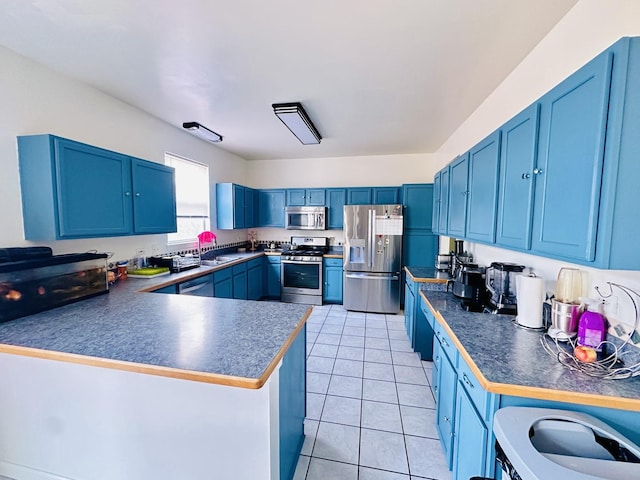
x=564, y=320
x=530, y=294
x=570, y=286
x=500, y=282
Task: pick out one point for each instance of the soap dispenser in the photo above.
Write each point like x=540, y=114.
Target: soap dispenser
x=592, y=327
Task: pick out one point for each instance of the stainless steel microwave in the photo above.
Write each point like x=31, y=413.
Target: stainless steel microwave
x=306, y=218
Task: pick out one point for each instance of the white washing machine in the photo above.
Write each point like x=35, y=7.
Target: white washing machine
x=546, y=444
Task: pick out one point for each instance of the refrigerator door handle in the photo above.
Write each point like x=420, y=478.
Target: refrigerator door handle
x=372, y=240
x=364, y=276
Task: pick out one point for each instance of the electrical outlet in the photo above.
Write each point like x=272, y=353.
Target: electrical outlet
x=156, y=250
x=610, y=306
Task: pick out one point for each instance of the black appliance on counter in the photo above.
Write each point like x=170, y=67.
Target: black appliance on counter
x=469, y=286
x=33, y=280
x=501, y=284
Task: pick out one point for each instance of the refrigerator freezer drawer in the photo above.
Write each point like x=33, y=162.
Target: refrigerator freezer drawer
x=376, y=293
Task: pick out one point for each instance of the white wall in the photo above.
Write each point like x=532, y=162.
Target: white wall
x=589, y=28
x=377, y=170
x=35, y=100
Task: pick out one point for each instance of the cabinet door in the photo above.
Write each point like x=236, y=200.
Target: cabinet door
x=238, y=206
x=518, y=152
x=254, y=282
x=458, y=193
x=296, y=197
x=386, y=195
x=418, y=206
x=336, y=198
x=240, y=282
x=271, y=208
x=359, y=196
x=482, y=197
x=94, y=195
x=249, y=208
x=332, y=292
x=419, y=249
x=409, y=308
x=445, y=409
x=315, y=197
x=154, y=197
x=435, y=371
x=470, y=445
x=223, y=283
x=435, y=215
x=443, y=204
x=423, y=341
x=272, y=277
x=569, y=169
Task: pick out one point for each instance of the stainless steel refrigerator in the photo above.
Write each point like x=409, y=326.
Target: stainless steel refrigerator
x=372, y=258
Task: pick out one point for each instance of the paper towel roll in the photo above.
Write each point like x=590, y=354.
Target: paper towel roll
x=530, y=296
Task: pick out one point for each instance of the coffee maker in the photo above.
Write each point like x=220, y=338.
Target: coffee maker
x=501, y=283
x=467, y=279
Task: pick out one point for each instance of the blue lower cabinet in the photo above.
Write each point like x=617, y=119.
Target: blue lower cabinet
x=292, y=393
x=471, y=439
x=423, y=332
x=240, y=281
x=446, y=406
x=223, y=283
x=272, y=276
x=332, y=291
x=409, y=308
x=255, y=274
x=167, y=289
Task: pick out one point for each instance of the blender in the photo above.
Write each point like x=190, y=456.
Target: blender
x=501, y=283
x=565, y=307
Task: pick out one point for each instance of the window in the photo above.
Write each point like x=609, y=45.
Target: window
x=192, y=198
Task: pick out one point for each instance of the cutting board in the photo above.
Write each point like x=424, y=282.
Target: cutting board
x=148, y=272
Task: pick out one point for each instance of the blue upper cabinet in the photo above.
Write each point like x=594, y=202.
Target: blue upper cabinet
x=458, y=193
x=418, y=206
x=482, y=197
x=517, y=161
x=573, y=120
x=154, y=200
x=386, y=195
x=59, y=178
x=359, y=196
x=336, y=198
x=306, y=197
x=271, y=205
x=443, y=203
x=235, y=206
x=435, y=214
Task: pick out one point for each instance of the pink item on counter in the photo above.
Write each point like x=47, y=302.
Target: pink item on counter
x=207, y=237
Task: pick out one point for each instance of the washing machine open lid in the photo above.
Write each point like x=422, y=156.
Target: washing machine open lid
x=544, y=443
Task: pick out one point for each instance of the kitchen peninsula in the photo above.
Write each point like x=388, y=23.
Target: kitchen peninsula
x=134, y=385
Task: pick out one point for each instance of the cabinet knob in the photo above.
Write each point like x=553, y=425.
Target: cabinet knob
x=466, y=380
x=446, y=419
x=127, y=194
x=537, y=171
x=137, y=194
x=526, y=175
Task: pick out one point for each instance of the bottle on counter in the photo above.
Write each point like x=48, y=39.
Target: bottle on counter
x=592, y=327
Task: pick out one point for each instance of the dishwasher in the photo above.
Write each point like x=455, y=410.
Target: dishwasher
x=200, y=286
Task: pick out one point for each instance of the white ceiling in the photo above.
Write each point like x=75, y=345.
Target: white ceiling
x=376, y=76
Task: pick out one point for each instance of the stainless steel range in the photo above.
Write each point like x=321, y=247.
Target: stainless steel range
x=301, y=270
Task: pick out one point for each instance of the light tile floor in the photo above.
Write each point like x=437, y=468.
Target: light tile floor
x=370, y=409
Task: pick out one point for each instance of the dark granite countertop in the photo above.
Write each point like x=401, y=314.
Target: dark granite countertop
x=513, y=362
x=427, y=274
x=232, y=342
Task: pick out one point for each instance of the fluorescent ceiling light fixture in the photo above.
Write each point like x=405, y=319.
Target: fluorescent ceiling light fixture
x=202, y=132
x=297, y=120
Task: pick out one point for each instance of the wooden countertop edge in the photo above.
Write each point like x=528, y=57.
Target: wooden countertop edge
x=191, y=375
x=540, y=393
x=333, y=255
x=424, y=280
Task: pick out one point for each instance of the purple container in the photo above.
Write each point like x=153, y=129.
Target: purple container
x=592, y=330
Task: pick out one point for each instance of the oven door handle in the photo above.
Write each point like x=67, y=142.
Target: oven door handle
x=364, y=276
x=297, y=262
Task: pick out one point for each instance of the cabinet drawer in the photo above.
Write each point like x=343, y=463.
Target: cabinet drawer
x=478, y=395
x=220, y=275
x=333, y=262
x=240, y=268
x=411, y=285
x=255, y=262
x=446, y=344
x=431, y=320
x=273, y=258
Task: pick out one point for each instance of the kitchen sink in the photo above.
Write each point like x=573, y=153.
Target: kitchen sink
x=218, y=261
